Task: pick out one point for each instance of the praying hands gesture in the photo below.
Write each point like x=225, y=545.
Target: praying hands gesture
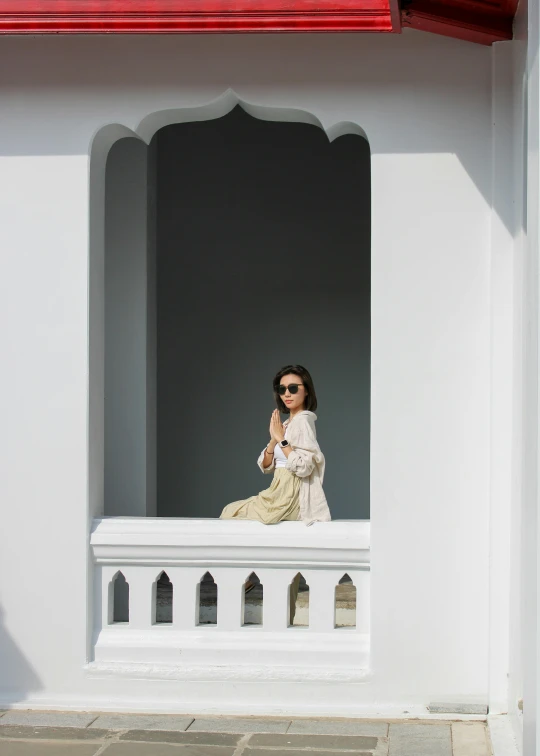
x=277, y=433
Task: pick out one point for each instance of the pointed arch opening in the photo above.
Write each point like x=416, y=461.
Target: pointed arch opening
x=119, y=599
x=207, y=600
x=299, y=602
x=253, y=601
x=345, y=603
x=163, y=599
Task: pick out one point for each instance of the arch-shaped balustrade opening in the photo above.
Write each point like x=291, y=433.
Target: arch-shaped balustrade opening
x=299, y=602
x=345, y=603
x=198, y=226
x=119, y=602
x=253, y=601
x=207, y=600
x=163, y=598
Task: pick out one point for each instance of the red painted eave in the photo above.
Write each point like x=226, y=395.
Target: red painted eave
x=190, y=16
x=480, y=21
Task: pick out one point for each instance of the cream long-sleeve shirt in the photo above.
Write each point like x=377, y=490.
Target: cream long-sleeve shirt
x=305, y=460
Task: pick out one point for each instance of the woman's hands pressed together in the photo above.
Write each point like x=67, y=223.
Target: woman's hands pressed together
x=277, y=433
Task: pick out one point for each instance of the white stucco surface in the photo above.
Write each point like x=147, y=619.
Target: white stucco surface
x=425, y=104
x=520, y=459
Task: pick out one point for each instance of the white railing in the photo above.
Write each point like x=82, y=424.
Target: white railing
x=141, y=549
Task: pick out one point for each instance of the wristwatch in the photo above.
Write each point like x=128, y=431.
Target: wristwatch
x=284, y=443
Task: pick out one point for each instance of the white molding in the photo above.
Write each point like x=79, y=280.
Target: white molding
x=331, y=708
x=205, y=542
x=234, y=654
x=227, y=672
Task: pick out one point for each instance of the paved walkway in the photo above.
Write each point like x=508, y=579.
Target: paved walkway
x=33, y=733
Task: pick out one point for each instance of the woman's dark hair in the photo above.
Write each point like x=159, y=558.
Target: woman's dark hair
x=310, y=402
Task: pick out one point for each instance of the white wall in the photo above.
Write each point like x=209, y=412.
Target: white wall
x=521, y=459
x=525, y=585
x=425, y=105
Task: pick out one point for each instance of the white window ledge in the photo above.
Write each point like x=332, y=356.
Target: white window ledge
x=166, y=541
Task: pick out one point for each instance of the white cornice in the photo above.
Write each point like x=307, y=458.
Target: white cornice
x=170, y=541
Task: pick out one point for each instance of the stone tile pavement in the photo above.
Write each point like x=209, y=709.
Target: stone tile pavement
x=41, y=733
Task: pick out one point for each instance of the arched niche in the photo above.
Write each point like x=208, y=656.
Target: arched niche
x=168, y=271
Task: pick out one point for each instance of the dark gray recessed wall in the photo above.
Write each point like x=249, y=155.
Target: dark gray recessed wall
x=263, y=260
x=130, y=416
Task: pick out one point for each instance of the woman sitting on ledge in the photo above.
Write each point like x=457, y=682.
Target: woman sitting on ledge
x=293, y=455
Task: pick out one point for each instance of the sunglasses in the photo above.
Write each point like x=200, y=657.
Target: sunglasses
x=293, y=388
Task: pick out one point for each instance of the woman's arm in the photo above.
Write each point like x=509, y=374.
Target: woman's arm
x=266, y=459
x=301, y=462
x=269, y=454
x=305, y=450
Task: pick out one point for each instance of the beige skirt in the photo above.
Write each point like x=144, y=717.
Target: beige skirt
x=281, y=501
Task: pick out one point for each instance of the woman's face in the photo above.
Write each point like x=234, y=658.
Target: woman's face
x=293, y=402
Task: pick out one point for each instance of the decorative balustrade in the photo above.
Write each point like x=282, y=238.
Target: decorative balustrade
x=170, y=597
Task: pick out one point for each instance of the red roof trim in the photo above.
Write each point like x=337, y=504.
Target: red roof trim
x=481, y=21
x=170, y=16
x=459, y=21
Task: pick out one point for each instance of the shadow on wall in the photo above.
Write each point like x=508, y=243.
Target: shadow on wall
x=369, y=78
x=18, y=678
